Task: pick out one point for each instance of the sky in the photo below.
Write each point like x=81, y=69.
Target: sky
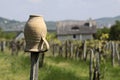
x=55, y=10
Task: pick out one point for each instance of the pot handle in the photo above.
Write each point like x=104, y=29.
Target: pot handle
x=47, y=45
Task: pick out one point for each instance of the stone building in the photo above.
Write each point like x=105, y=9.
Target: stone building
x=76, y=30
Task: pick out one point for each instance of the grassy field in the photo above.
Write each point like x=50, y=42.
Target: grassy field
x=54, y=68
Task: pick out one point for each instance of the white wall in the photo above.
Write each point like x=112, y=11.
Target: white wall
x=78, y=37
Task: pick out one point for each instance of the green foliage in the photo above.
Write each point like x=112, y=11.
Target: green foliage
x=99, y=33
x=51, y=36
x=105, y=30
x=112, y=34
x=115, y=31
x=7, y=35
x=104, y=36
x=103, y=68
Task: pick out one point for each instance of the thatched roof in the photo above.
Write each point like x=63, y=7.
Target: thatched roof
x=76, y=27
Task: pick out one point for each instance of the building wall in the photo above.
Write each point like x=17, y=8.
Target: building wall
x=86, y=36
x=75, y=37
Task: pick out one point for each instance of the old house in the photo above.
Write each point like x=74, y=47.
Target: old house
x=76, y=30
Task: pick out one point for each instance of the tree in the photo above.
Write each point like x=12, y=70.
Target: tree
x=104, y=36
x=115, y=31
x=102, y=31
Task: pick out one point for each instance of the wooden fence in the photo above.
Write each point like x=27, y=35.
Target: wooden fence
x=92, y=51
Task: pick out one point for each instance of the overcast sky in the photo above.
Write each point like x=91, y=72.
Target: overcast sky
x=53, y=10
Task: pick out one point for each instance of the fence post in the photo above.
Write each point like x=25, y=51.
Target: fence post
x=53, y=46
x=2, y=46
x=66, y=49
x=91, y=64
x=60, y=50
x=84, y=50
x=117, y=52
x=34, y=65
x=113, y=53
x=71, y=50
x=98, y=65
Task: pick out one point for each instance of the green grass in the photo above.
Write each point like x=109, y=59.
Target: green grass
x=13, y=67
x=54, y=68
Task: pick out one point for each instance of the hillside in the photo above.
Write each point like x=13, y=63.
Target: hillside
x=106, y=21
x=13, y=25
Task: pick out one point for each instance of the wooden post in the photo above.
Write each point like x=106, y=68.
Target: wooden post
x=91, y=64
x=34, y=65
x=76, y=52
x=53, y=46
x=2, y=46
x=84, y=50
x=71, y=50
x=113, y=54
x=98, y=65
x=60, y=50
x=66, y=49
x=117, y=53
x=41, y=61
x=96, y=73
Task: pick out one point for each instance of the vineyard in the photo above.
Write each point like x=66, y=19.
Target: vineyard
x=96, y=52
x=66, y=60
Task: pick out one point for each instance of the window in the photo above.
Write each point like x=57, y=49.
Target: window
x=75, y=28
x=87, y=24
x=74, y=36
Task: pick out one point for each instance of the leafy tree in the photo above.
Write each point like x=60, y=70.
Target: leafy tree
x=101, y=31
x=104, y=36
x=115, y=31
x=105, y=30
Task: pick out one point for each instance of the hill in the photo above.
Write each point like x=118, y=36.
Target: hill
x=106, y=21
x=13, y=25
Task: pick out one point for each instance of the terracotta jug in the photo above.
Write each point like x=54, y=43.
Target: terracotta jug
x=35, y=34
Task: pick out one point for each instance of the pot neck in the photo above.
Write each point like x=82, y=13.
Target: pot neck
x=35, y=16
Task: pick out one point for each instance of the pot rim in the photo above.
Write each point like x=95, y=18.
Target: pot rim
x=34, y=15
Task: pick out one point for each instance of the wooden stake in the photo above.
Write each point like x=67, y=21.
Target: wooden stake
x=34, y=65
x=91, y=64
x=84, y=50
x=66, y=49
x=117, y=53
x=53, y=46
x=113, y=54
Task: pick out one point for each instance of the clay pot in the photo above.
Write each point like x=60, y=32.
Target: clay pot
x=35, y=34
